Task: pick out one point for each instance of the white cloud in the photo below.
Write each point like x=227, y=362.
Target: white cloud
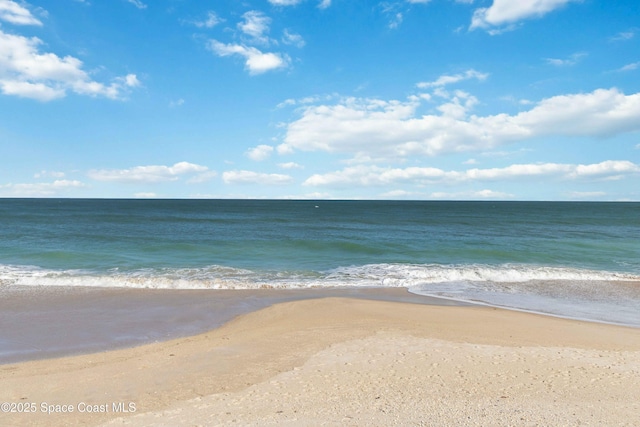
x=256, y=62
x=571, y=60
x=255, y=24
x=450, y=79
x=398, y=194
x=587, y=194
x=324, y=4
x=394, y=13
x=12, y=12
x=130, y=80
x=624, y=35
x=28, y=73
x=286, y=103
x=145, y=195
x=20, y=55
x=211, y=21
x=205, y=176
x=306, y=100
x=603, y=112
x=147, y=174
x=285, y=2
x=38, y=91
x=177, y=103
x=458, y=106
x=137, y=3
x=393, y=129
x=259, y=153
x=471, y=195
x=284, y=149
x=630, y=67
x=290, y=165
x=42, y=189
x=503, y=12
x=52, y=174
x=609, y=168
x=292, y=39
x=396, y=20
x=378, y=176
x=250, y=177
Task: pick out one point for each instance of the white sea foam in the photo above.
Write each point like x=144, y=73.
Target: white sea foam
x=571, y=292
x=416, y=274
x=387, y=275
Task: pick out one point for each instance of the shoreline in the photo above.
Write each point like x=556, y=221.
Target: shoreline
x=537, y=312
x=350, y=361
x=48, y=322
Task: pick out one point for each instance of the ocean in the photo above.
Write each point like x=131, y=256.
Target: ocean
x=569, y=259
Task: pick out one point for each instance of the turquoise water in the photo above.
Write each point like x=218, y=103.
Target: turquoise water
x=577, y=260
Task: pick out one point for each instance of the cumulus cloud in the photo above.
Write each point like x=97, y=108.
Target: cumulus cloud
x=14, y=13
x=611, y=169
x=603, y=112
x=290, y=165
x=373, y=127
x=256, y=61
x=250, y=177
x=130, y=80
x=505, y=12
x=26, y=72
x=372, y=175
x=259, y=153
x=147, y=174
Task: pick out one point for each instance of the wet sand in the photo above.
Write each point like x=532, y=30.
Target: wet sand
x=347, y=361
x=44, y=322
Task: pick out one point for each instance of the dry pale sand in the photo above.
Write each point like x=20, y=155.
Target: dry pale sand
x=341, y=361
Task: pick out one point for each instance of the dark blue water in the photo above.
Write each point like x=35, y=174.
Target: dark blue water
x=573, y=259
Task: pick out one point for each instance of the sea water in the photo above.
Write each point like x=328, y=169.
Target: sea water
x=577, y=260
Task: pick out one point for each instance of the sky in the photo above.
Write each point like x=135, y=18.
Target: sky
x=321, y=99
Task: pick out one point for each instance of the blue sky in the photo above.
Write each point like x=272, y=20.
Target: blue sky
x=404, y=99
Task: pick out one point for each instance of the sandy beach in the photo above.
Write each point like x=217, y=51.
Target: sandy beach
x=346, y=361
